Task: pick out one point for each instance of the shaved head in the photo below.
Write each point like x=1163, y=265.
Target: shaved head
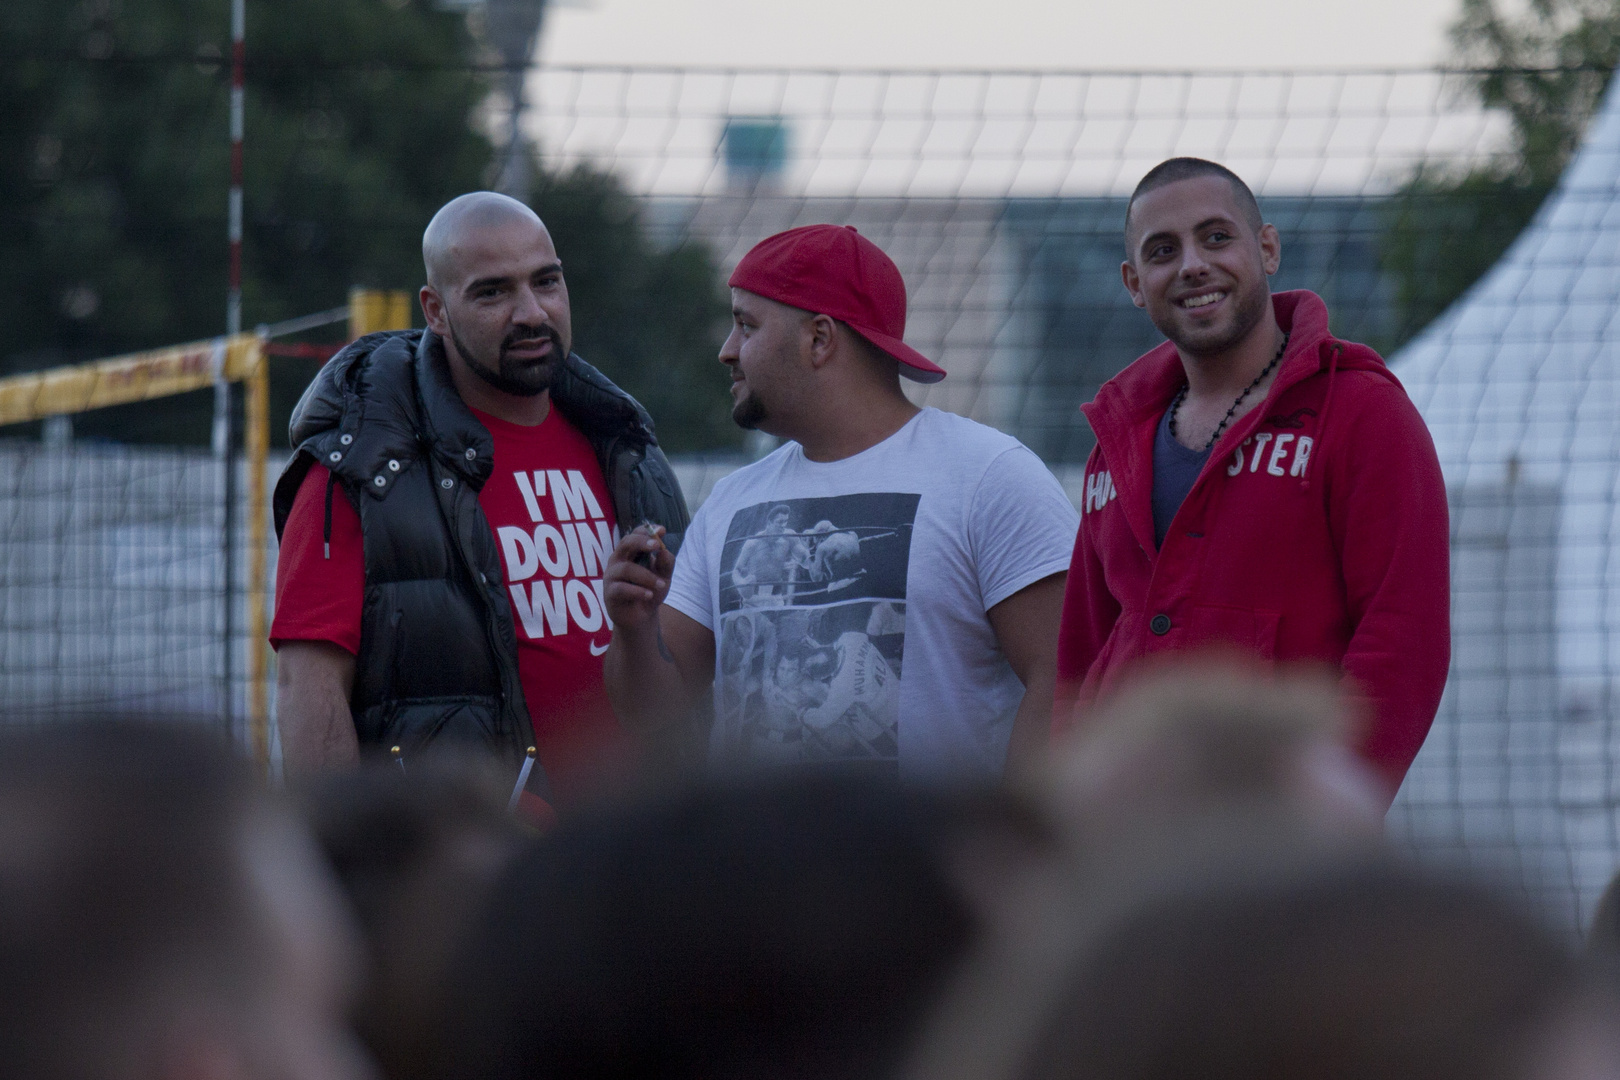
x=473, y=212
x=496, y=297
x=1186, y=168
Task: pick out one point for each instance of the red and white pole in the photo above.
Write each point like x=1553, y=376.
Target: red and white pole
x=233, y=303
x=233, y=228
x=224, y=440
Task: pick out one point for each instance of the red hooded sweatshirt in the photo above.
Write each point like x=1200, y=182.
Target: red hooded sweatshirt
x=1317, y=531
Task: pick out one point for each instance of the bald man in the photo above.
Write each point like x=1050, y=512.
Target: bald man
x=446, y=518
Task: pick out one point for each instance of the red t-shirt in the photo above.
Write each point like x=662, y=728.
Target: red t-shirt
x=553, y=520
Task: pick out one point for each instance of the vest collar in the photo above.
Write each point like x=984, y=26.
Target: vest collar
x=452, y=432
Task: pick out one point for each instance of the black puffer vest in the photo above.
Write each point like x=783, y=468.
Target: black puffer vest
x=438, y=649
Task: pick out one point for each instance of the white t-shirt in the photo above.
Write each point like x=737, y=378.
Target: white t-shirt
x=848, y=598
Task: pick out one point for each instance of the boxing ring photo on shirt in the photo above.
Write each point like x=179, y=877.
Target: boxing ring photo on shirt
x=812, y=629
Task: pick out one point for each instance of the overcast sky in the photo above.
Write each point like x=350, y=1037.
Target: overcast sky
x=1116, y=34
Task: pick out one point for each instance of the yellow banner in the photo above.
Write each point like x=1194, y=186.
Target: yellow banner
x=371, y=310
x=122, y=379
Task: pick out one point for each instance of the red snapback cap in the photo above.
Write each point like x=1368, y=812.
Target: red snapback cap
x=833, y=270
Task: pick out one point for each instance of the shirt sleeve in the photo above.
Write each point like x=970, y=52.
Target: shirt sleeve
x=1021, y=525
x=691, y=586
x=1387, y=510
x=319, y=597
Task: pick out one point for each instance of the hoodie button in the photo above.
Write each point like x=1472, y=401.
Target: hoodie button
x=1160, y=624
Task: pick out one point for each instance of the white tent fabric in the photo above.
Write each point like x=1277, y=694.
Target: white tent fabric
x=1520, y=384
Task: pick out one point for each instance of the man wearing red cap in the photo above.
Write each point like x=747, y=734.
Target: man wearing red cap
x=882, y=590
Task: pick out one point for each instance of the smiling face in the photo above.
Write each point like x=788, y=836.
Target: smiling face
x=501, y=305
x=1198, y=265
x=763, y=351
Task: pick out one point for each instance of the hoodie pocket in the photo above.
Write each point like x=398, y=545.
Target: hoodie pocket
x=1245, y=629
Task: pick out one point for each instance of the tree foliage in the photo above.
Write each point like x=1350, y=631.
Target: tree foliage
x=1547, y=68
x=651, y=317
x=116, y=169
x=362, y=119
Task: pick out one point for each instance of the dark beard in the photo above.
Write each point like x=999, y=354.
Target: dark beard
x=1244, y=321
x=519, y=380
x=748, y=413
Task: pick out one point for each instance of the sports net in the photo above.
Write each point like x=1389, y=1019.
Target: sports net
x=111, y=587
x=1519, y=383
x=134, y=578
x=1001, y=196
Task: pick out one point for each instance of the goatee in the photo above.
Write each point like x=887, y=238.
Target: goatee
x=1251, y=308
x=748, y=413
x=529, y=379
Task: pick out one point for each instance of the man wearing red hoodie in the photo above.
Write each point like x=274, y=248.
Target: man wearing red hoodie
x=1257, y=484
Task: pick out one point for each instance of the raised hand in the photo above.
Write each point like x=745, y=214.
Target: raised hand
x=637, y=577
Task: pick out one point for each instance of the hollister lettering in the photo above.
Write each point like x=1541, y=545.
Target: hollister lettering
x=1278, y=449
x=1294, y=451
x=1302, y=456
x=1100, y=491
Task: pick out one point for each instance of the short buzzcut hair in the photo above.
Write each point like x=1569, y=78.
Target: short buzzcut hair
x=1188, y=168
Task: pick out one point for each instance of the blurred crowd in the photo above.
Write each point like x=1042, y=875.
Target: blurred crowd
x=1195, y=884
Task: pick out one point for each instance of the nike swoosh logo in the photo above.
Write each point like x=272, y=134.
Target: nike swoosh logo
x=598, y=652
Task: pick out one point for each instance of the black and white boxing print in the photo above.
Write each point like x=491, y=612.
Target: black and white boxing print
x=813, y=629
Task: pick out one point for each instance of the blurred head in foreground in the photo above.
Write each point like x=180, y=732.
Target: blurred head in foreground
x=1360, y=971
x=416, y=856
x=797, y=927
x=159, y=919
x=1214, y=737
x=1289, y=964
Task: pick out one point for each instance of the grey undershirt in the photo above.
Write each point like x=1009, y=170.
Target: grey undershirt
x=1175, y=470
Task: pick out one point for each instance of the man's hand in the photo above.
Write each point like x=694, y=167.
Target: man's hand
x=636, y=579
x=313, y=683
x=661, y=661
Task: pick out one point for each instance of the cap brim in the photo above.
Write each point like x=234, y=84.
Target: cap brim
x=913, y=364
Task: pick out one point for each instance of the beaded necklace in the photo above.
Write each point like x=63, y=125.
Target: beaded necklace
x=1181, y=395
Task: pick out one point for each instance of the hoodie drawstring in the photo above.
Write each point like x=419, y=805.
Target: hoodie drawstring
x=1321, y=427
